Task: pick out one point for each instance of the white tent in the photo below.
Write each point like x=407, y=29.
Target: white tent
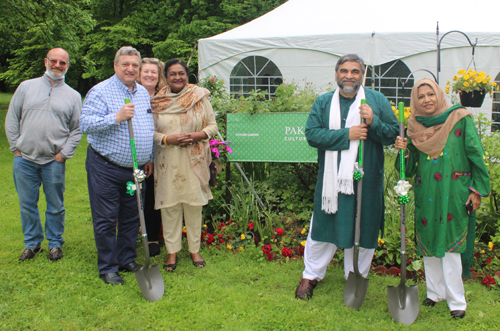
x=304, y=38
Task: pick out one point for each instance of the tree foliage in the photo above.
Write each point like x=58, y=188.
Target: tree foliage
x=93, y=30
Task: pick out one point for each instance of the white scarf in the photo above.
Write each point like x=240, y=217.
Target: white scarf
x=341, y=179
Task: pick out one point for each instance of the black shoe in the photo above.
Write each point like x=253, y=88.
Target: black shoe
x=154, y=249
x=29, y=253
x=428, y=303
x=55, y=253
x=458, y=313
x=130, y=267
x=112, y=278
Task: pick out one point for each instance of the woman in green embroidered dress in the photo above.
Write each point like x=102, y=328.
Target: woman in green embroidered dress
x=445, y=155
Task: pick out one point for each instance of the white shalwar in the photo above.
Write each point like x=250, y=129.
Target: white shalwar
x=443, y=276
x=318, y=255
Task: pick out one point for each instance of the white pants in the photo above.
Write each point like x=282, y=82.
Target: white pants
x=443, y=276
x=318, y=255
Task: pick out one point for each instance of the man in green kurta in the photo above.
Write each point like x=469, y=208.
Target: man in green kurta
x=335, y=129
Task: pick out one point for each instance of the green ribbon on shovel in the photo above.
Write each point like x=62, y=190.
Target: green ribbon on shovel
x=403, y=186
x=358, y=174
x=132, y=143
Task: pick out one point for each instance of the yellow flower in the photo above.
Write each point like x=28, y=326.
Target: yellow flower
x=382, y=241
x=490, y=246
x=242, y=236
x=306, y=226
x=229, y=247
x=466, y=84
x=494, y=83
x=482, y=251
x=242, y=248
x=479, y=79
x=455, y=78
x=485, y=152
x=461, y=72
x=204, y=225
x=303, y=243
x=448, y=82
x=184, y=229
x=482, y=73
x=466, y=76
x=303, y=231
x=475, y=84
x=474, y=73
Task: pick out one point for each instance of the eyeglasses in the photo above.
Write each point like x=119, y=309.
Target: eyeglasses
x=54, y=62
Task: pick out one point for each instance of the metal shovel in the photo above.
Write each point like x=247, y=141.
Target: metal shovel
x=149, y=278
x=403, y=300
x=357, y=285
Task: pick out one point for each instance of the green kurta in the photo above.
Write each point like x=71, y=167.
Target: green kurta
x=338, y=228
x=442, y=186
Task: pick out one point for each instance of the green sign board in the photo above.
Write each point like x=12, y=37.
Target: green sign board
x=269, y=137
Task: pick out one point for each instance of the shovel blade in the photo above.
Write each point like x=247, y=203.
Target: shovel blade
x=355, y=290
x=151, y=283
x=409, y=313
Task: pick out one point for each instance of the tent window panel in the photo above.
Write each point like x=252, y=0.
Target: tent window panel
x=495, y=112
x=386, y=78
x=255, y=73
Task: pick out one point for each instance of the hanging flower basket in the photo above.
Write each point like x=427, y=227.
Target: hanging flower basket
x=473, y=98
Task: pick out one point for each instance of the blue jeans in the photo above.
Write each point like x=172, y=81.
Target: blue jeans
x=28, y=177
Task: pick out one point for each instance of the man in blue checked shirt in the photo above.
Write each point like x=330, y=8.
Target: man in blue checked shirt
x=109, y=162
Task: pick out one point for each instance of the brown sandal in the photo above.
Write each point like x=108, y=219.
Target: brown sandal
x=170, y=267
x=305, y=288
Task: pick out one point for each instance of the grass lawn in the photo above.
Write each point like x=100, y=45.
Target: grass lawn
x=234, y=291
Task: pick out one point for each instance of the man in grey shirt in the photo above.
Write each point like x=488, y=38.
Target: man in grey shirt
x=43, y=130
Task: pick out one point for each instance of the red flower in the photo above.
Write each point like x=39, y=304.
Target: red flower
x=488, y=260
x=458, y=132
x=279, y=231
x=210, y=239
x=449, y=217
x=424, y=221
x=221, y=240
x=250, y=225
x=220, y=236
x=454, y=176
x=212, y=79
x=488, y=281
x=287, y=252
x=437, y=176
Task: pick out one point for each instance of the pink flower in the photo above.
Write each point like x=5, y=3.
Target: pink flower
x=437, y=176
x=449, y=217
x=454, y=176
x=216, y=151
x=458, y=132
x=424, y=221
x=213, y=142
x=229, y=149
x=212, y=79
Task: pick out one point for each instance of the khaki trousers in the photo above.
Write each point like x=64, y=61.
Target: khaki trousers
x=171, y=218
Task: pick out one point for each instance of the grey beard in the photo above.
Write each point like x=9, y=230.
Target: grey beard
x=348, y=90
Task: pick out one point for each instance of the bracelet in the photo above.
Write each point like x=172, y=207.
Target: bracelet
x=165, y=140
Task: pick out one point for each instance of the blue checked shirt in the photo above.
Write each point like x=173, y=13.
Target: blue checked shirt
x=98, y=120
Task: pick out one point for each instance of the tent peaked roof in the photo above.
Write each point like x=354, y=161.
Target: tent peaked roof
x=379, y=31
